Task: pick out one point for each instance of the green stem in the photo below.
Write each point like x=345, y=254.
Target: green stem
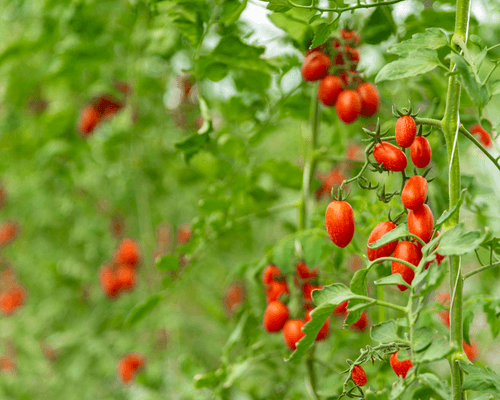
x=381, y=310
x=375, y=302
x=451, y=125
x=480, y=269
x=311, y=376
x=341, y=10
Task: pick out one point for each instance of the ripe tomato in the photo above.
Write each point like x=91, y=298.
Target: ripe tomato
x=325, y=329
x=234, y=297
x=401, y=368
x=406, y=251
x=352, y=55
x=126, y=277
x=420, y=222
x=89, y=118
x=362, y=324
x=444, y=298
x=184, y=233
x=406, y=131
x=128, y=252
x=414, y=192
x=315, y=66
x=370, y=99
x=8, y=232
x=109, y=281
x=386, y=250
x=484, y=137
x=107, y=105
x=275, y=316
x=470, y=350
x=350, y=36
x=359, y=375
x=390, y=157
x=421, y=152
x=339, y=219
x=302, y=270
x=341, y=310
x=292, y=332
x=348, y=106
x=270, y=274
x=275, y=290
x=329, y=89
x=307, y=291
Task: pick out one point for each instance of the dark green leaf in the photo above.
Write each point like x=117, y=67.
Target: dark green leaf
x=322, y=33
x=379, y=27
x=457, y=242
x=438, y=350
x=231, y=11
x=169, y=262
x=394, y=279
x=446, y=215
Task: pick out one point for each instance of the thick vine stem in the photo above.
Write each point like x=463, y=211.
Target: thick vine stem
x=451, y=125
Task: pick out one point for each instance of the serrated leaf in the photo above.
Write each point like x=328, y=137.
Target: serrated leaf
x=423, y=338
x=358, y=286
x=397, y=233
x=432, y=38
x=168, y=262
x=437, y=384
x=385, y=332
x=140, y=311
x=333, y=294
x=457, y=242
x=394, y=279
x=416, y=63
x=479, y=379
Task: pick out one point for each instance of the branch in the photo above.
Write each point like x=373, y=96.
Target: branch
x=342, y=10
x=466, y=133
x=481, y=269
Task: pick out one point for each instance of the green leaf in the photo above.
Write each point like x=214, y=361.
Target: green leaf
x=432, y=381
x=323, y=33
x=333, y=294
x=397, y=233
x=416, y=63
x=140, y=311
x=231, y=11
x=456, y=242
x=295, y=23
x=385, y=332
x=438, y=350
x=379, y=27
x=432, y=38
x=211, y=379
x=236, y=335
x=358, y=285
x=394, y=279
x=447, y=214
x=422, y=338
x=476, y=91
x=284, y=173
x=192, y=145
x=479, y=379
x=168, y=262
x=278, y=5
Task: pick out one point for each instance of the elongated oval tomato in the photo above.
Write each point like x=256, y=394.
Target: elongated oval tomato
x=370, y=99
x=348, y=106
x=386, y=250
x=414, y=192
x=315, y=66
x=275, y=316
x=359, y=375
x=329, y=89
x=406, y=131
x=271, y=273
x=421, y=152
x=421, y=222
x=292, y=332
x=406, y=251
x=390, y=157
x=339, y=220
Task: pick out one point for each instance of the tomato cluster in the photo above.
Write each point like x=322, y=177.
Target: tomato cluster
x=120, y=274
x=129, y=366
x=341, y=86
x=101, y=108
x=12, y=293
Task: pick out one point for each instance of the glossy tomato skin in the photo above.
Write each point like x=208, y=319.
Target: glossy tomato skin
x=414, y=192
x=339, y=220
x=275, y=290
x=329, y=89
x=421, y=222
x=348, y=106
x=325, y=329
x=359, y=375
x=406, y=131
x=386, y=250
x=271, y=273
x=390, y=157
x=484, y=136
x=421, y=152
x=361, y=324
x=275, y=316
x=401, y=368
x=341, y=310
x=370, y=99
x=292, y=332
x=315, y=66
x=406, y=251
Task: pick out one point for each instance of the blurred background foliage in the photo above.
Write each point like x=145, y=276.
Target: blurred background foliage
x=236, y=185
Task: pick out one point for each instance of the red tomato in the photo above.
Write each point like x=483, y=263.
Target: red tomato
x=348, y=106
x=107, y=105
x=89, y=118
x=307, y=291
x=484, y=137
x=421, y=152
x=325, y=329
x=370, y=99
x=128, y=252
x=270, y=274
x=275, y=316
x=350, y=36
x=315, y=66
x=444, y=298
x=414, y=192
x=406, y=251
x=421, y=222
x=329, y=89
x=234, y=297
x=470, y=350
x=359, y=375
x=109, y=281
x=292, y=332
x=362, y=324
x=390, y=157
x=275, y=290
x=8, y=232
x=386, y=250
x=302, y=270
x=352, y=55
x=341, y=310
x=401, y=368
x=126, y=277
x=406, y=131
x=339, y=219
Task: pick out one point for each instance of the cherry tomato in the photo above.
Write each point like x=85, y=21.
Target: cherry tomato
x=341, y=310
x=339, y=219
x=362, y=324
x=307, y=291
x=109, y=281
x=470, y=350
x=315, y=66
x=350, y=36
x=390, y=157
x=401, y=368
x=275, y=316
x=329, y=89
x=89, y=118
x=370, y=99
x=270, y=274
x=302, y=270
x=325, y=329
x=275, y=290
x=484, y=137
x=126, y=277
x=421, y=152
x=292, y=332
x=421, y=222
x=348, y=106
x=359, y=375
x=387, y=249
x=406, y=131
x=352, y=55
x=406, y=251
x=414, y=192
